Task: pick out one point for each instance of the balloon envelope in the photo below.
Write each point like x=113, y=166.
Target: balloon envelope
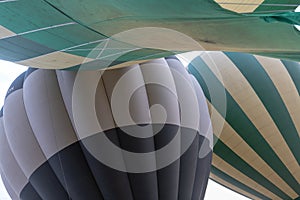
x=257, y=150
x=138, y=132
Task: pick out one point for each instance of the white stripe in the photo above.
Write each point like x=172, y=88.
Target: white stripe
x=49, y=27
x=95, y=49
x=6, y=1
x=40, y=29
x=105, y=45
x=246, y=4
x=269, y=11
x=117, y=53
x=84, y=44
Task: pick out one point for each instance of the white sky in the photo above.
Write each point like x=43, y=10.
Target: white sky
x=8, y=73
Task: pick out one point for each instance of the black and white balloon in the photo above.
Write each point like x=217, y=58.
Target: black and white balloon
x=138, y=132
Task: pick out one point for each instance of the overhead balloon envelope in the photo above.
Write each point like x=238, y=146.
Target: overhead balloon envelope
x=138, y=132
x=59, y=34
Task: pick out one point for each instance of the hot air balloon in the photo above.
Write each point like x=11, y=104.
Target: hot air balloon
x=61, y=33
x=137, y=132
x=257, y=150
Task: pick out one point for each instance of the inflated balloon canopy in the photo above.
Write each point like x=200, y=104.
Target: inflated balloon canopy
x=138, y=132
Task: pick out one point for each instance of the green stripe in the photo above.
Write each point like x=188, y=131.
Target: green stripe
x=235, y=182
x=209, y=79
x=65, y=37
x=267, y=5
x=270, y=97
x=18, y=48
x=7, y=54
x=242, y=124
x=22, y=16
x=23, y=47
x=293, y=69
x=238, y=163
x=48, y=39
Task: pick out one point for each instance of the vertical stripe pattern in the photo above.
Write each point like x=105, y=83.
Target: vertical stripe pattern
x=257, y=151
x=56, y=145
